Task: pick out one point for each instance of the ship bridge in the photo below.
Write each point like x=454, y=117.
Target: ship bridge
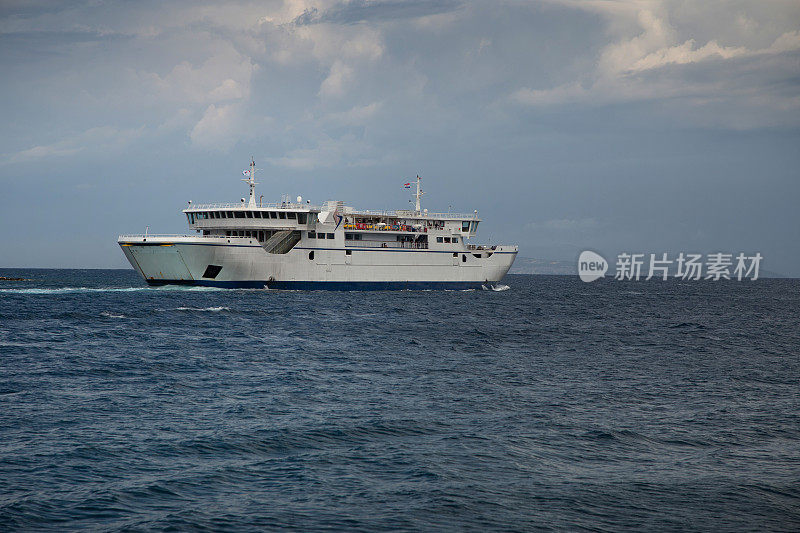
x=279, y=226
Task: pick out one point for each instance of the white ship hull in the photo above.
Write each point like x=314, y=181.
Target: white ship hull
x=311, y=264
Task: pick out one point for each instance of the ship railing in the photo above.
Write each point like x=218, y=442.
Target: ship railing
x=159, y=235
x=400, y=213
x=176, y=236
x=246, y=207
x=401, y=228
x=384, y=244
x=480, y=247
x=410, y=214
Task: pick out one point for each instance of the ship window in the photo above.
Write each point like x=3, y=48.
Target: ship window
x=217, y=214
x=455, y=239
x=238, y=214
x=212, y=271
x=257, y=214
x=273, y=214
x=282, y=215
x=206, y=232
x=348, y=236
x=447, y=239
x=291, y=215
x=312, y=234
x=439, y=239
x=301, y=218
x=465, y=225
x=320, y=235
x=357, y=236
x=228, y=233
x=464, y=258
x=455, y=254
x=348, y=252
x=311, y=255
x=330, y=235
x=474, y=226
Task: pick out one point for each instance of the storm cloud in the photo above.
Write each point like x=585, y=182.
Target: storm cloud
x=639, y=126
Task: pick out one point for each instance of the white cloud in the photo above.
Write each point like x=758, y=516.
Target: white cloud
x=336, y=82
x=686, y=53
x=219, y=128
x=357, y=115
x=102, y=139
x=788, y=42
x=649, y=59
x=224, y=76
x=346, y=150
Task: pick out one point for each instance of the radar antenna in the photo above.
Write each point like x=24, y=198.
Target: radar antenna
x=251, y=181
x=419, y=194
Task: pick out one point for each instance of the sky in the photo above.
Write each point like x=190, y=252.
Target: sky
x=609, y=125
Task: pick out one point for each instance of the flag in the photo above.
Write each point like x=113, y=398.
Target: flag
x=407, y=185
x=246, y=172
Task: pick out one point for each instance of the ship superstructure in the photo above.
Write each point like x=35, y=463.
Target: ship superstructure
x=296, y=245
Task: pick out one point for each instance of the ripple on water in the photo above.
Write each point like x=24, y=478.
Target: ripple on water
x=541, y=403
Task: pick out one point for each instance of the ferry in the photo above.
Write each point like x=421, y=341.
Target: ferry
x=296, y=245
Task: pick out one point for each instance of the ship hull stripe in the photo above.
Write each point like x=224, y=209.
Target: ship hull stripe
x=326, y=285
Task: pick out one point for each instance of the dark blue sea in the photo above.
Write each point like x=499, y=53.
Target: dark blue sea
x=551, y=405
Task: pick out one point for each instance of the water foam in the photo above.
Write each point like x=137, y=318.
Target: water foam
x=496, y=288
x=78, y=290
x=212, y=309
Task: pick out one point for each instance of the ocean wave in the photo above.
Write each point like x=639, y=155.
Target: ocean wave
x=73, y=290
x=212, y=309
x=109, y=314
x=496, y=288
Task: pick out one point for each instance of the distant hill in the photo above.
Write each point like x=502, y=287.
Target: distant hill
x=528, y=265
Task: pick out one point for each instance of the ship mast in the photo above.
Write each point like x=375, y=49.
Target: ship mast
x=419, y=194
x=251, y=181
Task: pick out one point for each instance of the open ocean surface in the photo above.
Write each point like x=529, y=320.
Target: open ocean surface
x=552, y=405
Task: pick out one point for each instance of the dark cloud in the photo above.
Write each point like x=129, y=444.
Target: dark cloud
x=566, y=124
